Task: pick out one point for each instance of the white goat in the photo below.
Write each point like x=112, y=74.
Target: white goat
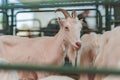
x=44, y=50
x=88, y=52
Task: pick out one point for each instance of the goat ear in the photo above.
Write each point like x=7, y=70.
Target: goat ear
x=60, y=22
x=74, y=15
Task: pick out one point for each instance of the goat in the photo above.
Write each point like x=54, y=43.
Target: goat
x=36, y=50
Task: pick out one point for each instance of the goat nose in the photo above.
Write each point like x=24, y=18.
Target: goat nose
x=78, y=44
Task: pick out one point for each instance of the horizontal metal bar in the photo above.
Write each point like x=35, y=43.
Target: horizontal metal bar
x=38, y=6
x=64, y=69
x=57, y=4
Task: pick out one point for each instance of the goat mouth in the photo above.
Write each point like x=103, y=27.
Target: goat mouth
x=76, y=47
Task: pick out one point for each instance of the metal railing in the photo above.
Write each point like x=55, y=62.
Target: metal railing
x=60, y=69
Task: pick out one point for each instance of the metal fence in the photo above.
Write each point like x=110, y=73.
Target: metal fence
x=108, y=4
x=61, y=69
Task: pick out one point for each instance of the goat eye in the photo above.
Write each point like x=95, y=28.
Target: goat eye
x=66, y=28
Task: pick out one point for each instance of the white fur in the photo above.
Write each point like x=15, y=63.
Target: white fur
x=56, y=77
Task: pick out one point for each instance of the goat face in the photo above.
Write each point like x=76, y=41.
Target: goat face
x=72, y=27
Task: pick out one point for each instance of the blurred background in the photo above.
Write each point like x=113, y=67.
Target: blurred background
x=33, y=18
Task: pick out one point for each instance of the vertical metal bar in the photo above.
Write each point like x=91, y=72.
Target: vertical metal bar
x=12, y=22
x=117, y=15
x=97, y=15
x=107, y=17
x=100, y=22
x=5, y=18
x=98, y=18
